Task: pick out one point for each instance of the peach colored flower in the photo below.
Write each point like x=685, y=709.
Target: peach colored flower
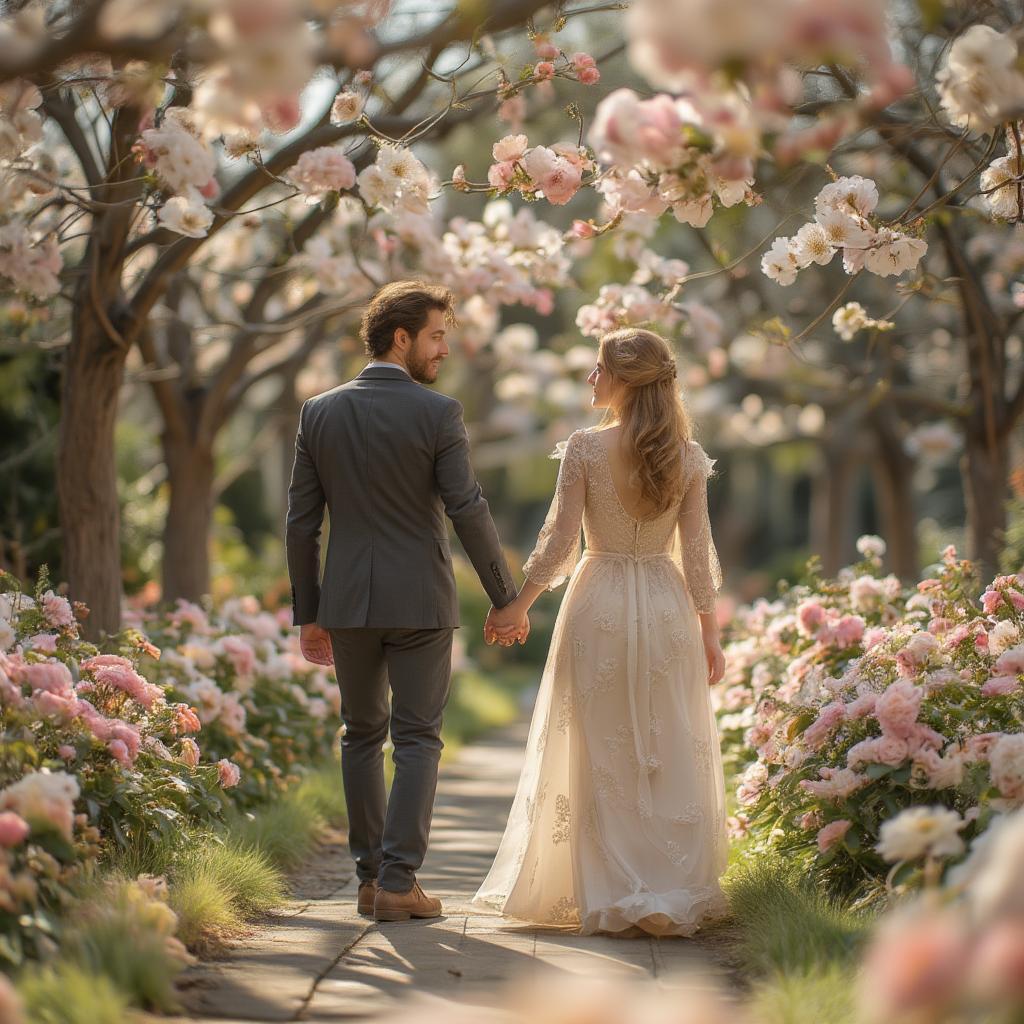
x=13, y=828
x=832, y=833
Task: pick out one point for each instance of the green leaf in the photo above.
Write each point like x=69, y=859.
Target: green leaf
x=877, y=771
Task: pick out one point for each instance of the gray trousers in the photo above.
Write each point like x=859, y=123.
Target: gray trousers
x=388, y=837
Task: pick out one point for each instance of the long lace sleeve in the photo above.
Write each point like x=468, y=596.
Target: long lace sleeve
x=558, y=544
x=695, y=547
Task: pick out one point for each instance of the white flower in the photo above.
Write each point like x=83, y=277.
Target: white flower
x=186, y=215
x=182, y=159
x=695, y=212
x=511, y=147
x=871, y=546
x=842, y=229
x=373, y=188
x=853, y=317
x=43, y=796
x=980, y=84
x=811, y=245
x=779, y=264
x=893, y=253
x=852, y=195
x=347, y=106
x=849, y=319
x=919, y=832
x=1003, y=635
x=999, y=176
x=990, y=877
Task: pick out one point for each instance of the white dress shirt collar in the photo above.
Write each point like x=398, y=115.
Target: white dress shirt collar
x=376, y=364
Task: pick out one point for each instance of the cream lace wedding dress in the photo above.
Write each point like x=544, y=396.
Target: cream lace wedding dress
x=619, y=818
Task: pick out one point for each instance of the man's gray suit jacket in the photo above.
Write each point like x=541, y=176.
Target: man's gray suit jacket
x=389, y=458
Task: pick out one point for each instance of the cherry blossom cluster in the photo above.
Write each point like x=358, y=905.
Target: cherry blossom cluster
x=1001, y=181
x=851, y=318
x=681, y=154
x=843, y=223
x=552, y=172
x=554, y=61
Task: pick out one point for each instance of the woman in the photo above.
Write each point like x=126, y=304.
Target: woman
x=619, y=820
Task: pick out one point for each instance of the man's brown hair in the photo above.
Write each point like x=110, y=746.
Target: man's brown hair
x=404, y=304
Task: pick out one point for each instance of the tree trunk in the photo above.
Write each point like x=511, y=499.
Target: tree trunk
x=892, y=473
x=186, y=561
x=830, y=506
x=87, y=471
x=985, y=473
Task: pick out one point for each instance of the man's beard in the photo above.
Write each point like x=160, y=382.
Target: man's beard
x=420, y=368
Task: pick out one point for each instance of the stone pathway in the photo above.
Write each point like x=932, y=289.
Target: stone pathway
x=318, y=960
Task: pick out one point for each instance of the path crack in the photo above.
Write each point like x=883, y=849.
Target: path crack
x=304, y=1005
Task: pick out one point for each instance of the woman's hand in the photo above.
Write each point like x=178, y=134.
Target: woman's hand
x=715, y=658
x=507, y=625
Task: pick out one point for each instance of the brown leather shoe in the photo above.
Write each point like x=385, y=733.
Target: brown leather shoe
x=367, y=892
x=400, y=906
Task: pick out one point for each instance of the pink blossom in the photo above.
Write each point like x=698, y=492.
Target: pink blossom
x=949, y=554
x=500, y=176
x=997, y=965
x=1000, y=686
x=940, y=772
x=51, y=676
x=241, y=655
x=828, y=718
x=55, y=706
x=833, y=833
x=861, y=706
x=589, y=76
x=543, y=71
x=282, y=114
x=44, y=643
x=119, y=751
x=849, y=630
x=228, y=773
x=13, y=828
x=1010, y=662
x=210, y=190
x=326, y=169
x=111, y=670
x=1016, y=599
x=873, y=637
x=835, y=783
x=810, y=819
x=991, y=600
x=977, y=748
x=57, y=610
x=555, y=176
x=186, y=719
x=582, y=60
x=66, y=751
x=810, y=616
x=189, y=752
x=897, y=708
x=545, y=49
x=511, y=147
x=582, y=229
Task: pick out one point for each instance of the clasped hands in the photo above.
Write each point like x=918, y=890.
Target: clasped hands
x=507, y=625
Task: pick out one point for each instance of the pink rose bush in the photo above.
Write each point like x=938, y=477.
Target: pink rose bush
x=133, y=743
x=847, y=701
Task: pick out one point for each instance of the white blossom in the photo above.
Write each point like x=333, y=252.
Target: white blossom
x=186, y=215
x=779, y=263
x=919, y=832
x=894, y=253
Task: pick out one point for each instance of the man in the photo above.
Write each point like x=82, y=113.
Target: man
x=389, y=458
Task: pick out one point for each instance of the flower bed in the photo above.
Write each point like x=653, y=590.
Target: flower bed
x=847, y=701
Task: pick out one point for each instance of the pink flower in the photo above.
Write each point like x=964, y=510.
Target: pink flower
x=1000, y=686
x=914, y=966
x=555, y=176
x=56, y=610
x=977, y=748
x=810, y=616
x=991, y=600
x=13, y=828
x=51, y=676
x=581, y=229
x=897, y=708
x=833, y=833
x=189, y=752
x=546, y=50
x=849, y=630
x=326, y=169
x=54, y=705
x=511, y=147
x=1016, y=599
x=997, y=966
x=500, y=176
x=112, y=670
x=1010, y=662
x=589, y=76
x=228, y=773
x=119, y=751
x=543, y=71
x=861, y=706
x=835, y=783
x=186, y=719
x=874, y=636
x=828, y=718
x=282, y=114
x=241, y=655
x=66, y=751
x=810, y=819
x=44, y=643
x=582, y=60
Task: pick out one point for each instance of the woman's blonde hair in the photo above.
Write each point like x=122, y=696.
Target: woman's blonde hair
x=655, y=424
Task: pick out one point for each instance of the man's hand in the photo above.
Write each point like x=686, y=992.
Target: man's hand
x=507, y=625
x=315, y=644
